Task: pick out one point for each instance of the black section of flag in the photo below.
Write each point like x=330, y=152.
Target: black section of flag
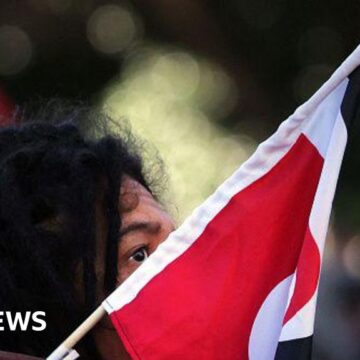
x=298, y=349
x=350, y=108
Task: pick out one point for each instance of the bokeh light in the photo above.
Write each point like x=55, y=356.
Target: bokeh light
x=320, y=45
x=57, y=7
x=261, y=14
x=351, y=257
x=310, y=79
x=112, y=29
x=15, y=50
x=169, y=96
x=320, y=50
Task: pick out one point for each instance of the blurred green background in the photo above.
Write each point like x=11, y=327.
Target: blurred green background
x=204, y=81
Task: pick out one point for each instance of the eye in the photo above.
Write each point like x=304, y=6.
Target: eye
x=139, y=255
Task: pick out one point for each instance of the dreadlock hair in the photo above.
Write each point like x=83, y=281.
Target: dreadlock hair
x=51, y=179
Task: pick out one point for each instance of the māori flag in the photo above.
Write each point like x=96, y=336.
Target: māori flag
x=239, y=278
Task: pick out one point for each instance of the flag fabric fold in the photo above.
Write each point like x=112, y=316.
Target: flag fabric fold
x=239, y=278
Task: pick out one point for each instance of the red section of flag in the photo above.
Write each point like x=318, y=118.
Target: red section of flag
x=203, y=305
x=307, y=276
x=6, y=109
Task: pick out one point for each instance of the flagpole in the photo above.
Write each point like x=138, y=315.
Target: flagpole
x=66, y=347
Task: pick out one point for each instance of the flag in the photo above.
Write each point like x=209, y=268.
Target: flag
x=238, y=279
x=6, y=109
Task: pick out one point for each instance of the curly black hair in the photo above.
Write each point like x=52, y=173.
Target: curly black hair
x=52, y=176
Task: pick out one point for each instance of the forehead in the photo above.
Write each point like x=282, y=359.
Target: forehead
x=133, y=195
x=129, y=185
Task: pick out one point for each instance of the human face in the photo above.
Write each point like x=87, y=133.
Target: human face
x=144, y=225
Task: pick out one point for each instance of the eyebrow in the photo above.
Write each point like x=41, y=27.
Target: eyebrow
x=151, y=227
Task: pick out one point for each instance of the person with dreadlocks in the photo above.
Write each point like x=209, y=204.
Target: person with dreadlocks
x=78, y=214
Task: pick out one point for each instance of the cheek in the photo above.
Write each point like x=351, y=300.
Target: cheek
x=125, y=268
x=123, y=273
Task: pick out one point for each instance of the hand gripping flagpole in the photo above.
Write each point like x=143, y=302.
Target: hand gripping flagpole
x=65, y=350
